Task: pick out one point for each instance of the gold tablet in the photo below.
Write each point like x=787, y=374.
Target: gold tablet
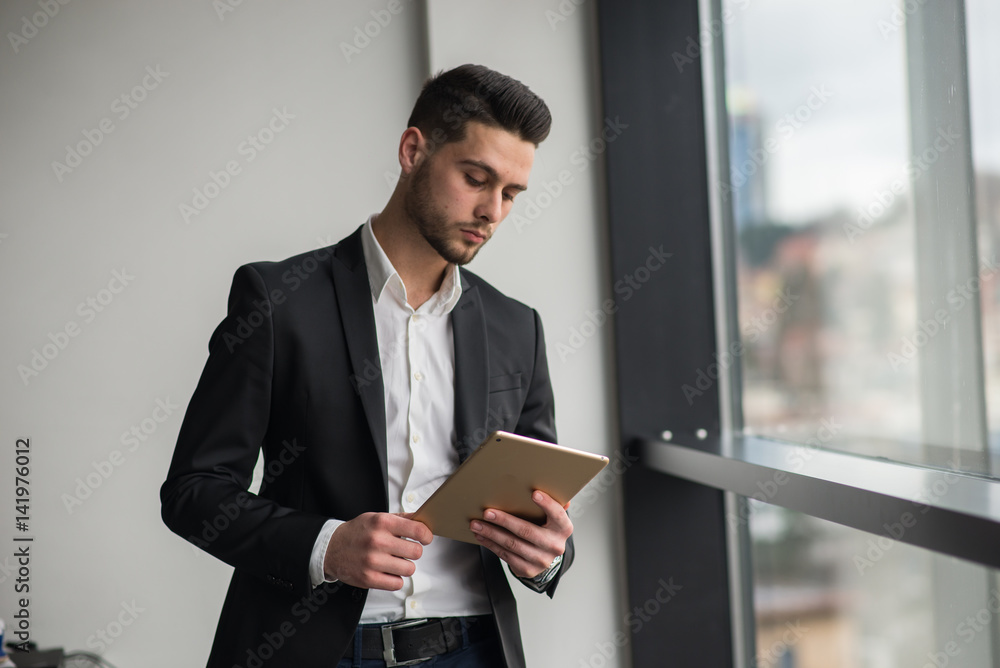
x=502, y=473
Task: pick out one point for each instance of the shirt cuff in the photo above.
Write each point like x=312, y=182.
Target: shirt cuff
x=317, y=574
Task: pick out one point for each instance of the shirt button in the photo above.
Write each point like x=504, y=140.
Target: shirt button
x=413, y=605
x=416, y=438
x=410, y=497
x=418, y=376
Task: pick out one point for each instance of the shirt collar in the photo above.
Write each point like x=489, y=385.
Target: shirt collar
x=382, y=275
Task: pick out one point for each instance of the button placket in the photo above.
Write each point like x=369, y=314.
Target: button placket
x=414, y=423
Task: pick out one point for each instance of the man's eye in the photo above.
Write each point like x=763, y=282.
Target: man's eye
x=472, y=181
x=508, y=197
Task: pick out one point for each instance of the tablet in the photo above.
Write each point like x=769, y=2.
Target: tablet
x=502, y=473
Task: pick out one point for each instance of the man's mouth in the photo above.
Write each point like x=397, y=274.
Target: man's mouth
x=473, y=236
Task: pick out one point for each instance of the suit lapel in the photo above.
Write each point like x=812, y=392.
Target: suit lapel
x=471, y=370
x=354, y=299
x=350, y=279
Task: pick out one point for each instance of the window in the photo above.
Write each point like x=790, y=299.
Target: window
x=818, y=373
x=866, y=214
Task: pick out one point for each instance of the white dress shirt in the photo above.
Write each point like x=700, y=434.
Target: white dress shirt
x=417, y=354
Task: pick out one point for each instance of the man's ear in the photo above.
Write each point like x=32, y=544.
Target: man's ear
x=413, y=150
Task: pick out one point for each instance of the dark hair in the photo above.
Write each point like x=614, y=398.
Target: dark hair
x=451, y=99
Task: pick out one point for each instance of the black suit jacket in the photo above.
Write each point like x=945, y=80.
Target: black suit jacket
x=293, y=370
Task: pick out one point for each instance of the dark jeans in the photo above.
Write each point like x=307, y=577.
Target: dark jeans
x=483, y=654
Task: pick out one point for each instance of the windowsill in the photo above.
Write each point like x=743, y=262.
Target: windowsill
x=951, y=513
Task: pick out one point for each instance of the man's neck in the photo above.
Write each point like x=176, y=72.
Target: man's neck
x=420, y=267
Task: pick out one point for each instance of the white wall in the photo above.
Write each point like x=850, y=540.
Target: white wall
x=62, y=237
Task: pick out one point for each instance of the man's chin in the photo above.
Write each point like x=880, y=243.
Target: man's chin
x=462, y=253
x=455, y=250
x=464, y=259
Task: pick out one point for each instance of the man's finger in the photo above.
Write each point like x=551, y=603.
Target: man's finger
x=396, y=566
x=382, y=581
x=547, y=503
x=519, y=564
x=405, y=549
x=516, y=536
x=522, y=529
x=554, y=511
x=404, y=527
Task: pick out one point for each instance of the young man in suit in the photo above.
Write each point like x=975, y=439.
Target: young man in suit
x=366, y=372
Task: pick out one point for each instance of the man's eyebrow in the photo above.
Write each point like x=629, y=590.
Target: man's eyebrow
x=492, y=172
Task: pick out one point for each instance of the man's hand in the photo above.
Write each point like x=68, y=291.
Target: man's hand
x=526, y=547
x=372, y=551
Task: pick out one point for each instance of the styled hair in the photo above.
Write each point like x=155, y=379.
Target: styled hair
x=450, y=100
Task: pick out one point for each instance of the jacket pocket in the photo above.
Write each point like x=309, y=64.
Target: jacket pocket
x=510, y=381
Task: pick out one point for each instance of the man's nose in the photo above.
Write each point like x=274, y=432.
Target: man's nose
x=490, y=209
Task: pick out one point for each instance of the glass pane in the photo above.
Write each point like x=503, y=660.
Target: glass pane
x=839, y=209
x=984, y=63
x=826, y=596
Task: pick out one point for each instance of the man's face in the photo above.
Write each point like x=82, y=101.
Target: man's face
x=459, y=194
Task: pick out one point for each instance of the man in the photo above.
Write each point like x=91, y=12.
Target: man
x=366, y=372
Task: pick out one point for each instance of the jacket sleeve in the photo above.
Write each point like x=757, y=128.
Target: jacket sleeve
x=538, y=420
x=204, y=498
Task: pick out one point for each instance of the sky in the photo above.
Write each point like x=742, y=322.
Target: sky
x=856, y=141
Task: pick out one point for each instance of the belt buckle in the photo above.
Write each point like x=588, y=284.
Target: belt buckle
x=389, y=646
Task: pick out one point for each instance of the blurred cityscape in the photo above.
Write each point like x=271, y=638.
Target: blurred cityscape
x=827, y=309
x=822, y=305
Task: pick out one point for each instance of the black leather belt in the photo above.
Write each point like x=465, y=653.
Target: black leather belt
x=414, y=640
